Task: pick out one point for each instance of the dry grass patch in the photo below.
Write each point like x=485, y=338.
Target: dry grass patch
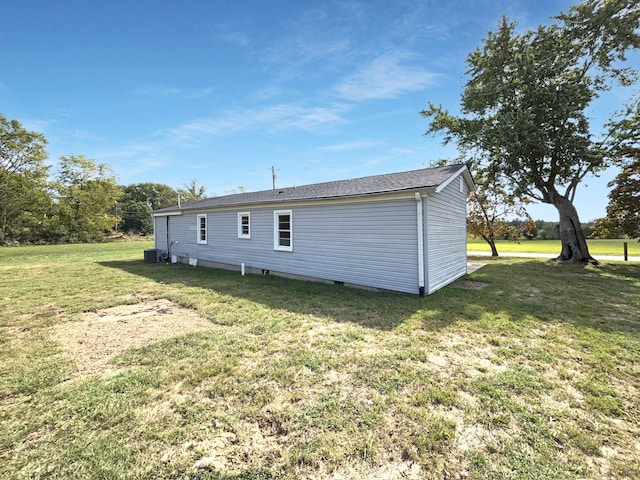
x=472, y=285
x=95, y=338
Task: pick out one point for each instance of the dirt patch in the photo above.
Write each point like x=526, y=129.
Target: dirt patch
x=99, y=336
x=472, y=285
x=525, y=293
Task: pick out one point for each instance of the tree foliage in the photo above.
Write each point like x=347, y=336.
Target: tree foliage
x=87, y=194
x=82, y=203
x=488, y=210
x=623, y=210
x=20, y=150
x=24, y=199
x=524, y=119
x=139, y=200
x=192, y=192
x=153, y=195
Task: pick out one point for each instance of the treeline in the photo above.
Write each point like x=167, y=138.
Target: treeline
x=76, y=200
x=79, y=200
x=543, y=230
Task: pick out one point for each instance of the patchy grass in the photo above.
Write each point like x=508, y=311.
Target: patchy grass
x=535, y=375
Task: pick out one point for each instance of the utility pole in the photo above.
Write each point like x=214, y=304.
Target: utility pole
x=273, y=176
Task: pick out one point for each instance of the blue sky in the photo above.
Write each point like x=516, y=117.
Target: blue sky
x=221, y=91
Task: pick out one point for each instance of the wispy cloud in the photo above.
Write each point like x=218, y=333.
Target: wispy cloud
x=300, y=56
x=132, y=159
x=131, y=150
x=351, y=146
x=40, y=126
x=199, y=93
x=163, y=91
x=150, y=155
x=78, y=135
x=309, y=46
x=158, y=90
x=226, y=34
x=274, y=118
x=55, y=131
x=387, y=76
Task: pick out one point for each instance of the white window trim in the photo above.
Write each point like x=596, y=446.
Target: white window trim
x=276, y=231
x=198, y=230
x=240, y=215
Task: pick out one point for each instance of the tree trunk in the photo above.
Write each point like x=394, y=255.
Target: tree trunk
x=492, y=243
x=494, y=250
x=574, y=243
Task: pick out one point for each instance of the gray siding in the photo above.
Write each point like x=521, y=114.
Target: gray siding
x=445, y=236
x=160, y=233
x=372, y=244
x=368, y=243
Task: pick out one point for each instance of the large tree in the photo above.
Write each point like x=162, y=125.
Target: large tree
x=24, y=199
x=87, y=194
x=623, y=210
x=489, y=208
x=192, y=192
x=524, y=108
x=153, y=195
x=139, y=200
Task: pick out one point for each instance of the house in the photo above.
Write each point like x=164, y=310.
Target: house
x=401, y=231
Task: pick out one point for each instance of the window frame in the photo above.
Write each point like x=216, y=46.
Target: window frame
x=241, y=234
x=200, y=229
x=276, y=231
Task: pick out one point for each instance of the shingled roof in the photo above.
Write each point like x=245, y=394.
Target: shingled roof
x=414, y=180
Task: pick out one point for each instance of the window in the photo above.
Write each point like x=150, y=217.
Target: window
x=461, y=184
x=282, y=230
x=244, y=225
x=202, y=228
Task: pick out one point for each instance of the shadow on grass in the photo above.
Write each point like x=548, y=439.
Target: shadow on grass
x=516, y=290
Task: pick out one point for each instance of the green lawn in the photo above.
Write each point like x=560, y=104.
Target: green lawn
x=525, y=369
x=552, y=247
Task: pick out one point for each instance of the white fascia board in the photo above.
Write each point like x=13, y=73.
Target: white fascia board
x=166, y=214
x=464, y=171
x=395, y=195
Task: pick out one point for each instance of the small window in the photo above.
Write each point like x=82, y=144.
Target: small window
x=461, y=184
x=283, y=231
x=244, y=225
x=202, y=228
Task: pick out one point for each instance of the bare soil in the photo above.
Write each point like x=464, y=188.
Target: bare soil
x=94, y=339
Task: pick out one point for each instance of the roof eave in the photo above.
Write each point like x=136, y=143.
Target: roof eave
x=426, y=190
x=170, y=213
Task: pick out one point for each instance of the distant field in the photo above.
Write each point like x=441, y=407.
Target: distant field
x=596, y=247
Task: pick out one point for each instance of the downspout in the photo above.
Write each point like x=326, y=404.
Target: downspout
x=168, y=244
x=420, y=225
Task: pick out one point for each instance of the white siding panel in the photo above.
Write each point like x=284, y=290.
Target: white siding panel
x=445, y=236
